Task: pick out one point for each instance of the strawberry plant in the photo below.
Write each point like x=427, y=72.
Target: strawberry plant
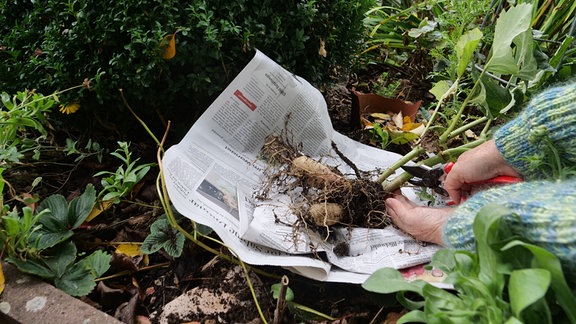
x=40, y=242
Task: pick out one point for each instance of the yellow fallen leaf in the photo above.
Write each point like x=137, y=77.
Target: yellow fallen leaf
x=398, y=120
x=410, y=126
x=98, y=208
x=382, y=116
x=418, y=130
x=168, y=46
x=2, y=279
x=130, y=250
x=322, y=49
x=366, y=123
x=130, y=256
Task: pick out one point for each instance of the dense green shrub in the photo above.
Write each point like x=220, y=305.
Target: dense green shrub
x=49, y=45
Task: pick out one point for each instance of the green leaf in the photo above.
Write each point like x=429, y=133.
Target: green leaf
x=98, y=263
x=526, y=286
x=56, y=218
x=465, y=48
x=486, y=234
x=47, y=239
x=77, y=281
x=499, y=100
x=175, y=245
x=388, y=280
x=525, y=58
x=60, y=258
x=275, y=289
x=32, y=266
x=415, y=316
x=444, y=260
x=164, y=235
x=509, y=25
x=80, y=207
x=546, y=260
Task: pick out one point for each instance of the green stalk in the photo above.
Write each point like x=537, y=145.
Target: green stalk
x=442, y=157
x=417, y=150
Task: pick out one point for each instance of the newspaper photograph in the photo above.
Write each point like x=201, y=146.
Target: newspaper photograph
x=215, y=173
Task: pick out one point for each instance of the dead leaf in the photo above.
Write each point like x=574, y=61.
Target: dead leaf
x=2, y=280
x=398, y=120
x=418, y=130
x=381, y=116
x=322, y=50
x=129, y=256
x=98, y=208
x=168, y=46
x=470, y=134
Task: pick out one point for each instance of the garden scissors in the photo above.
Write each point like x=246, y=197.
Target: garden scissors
x=425, y=176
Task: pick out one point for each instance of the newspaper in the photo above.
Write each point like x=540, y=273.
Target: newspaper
x=212, y=175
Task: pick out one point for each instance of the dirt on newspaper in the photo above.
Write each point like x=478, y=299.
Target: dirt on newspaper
x=324, y=196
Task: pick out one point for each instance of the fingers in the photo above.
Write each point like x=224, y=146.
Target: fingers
x=423, y=223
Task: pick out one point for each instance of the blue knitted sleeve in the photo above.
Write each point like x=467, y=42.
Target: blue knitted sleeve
x=549, y=119
x=542, y=211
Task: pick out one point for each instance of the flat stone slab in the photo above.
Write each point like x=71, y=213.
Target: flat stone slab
x=30, y=300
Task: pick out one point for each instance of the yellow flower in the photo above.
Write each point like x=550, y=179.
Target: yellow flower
x=69, y=108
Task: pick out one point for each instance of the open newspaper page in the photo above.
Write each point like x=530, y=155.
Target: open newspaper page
x=212, y=176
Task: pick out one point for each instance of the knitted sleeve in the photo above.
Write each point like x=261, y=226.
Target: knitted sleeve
x=549, y=120
x=543, y=212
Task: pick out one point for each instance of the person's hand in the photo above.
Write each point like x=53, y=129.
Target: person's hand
x=480, y=163
x=424, y=223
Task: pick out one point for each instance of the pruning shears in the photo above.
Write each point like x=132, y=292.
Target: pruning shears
x=433, y=178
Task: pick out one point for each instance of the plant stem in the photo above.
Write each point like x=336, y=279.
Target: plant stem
x=441, y=157
x=417, y=150
x=468, y=126
x=448, y=132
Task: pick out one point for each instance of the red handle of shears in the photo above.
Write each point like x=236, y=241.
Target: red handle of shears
x=499, y=180
x=496, y=180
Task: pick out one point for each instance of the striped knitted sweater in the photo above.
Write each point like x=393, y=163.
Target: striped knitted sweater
x=543, y=209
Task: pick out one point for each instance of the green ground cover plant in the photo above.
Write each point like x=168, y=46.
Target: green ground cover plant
x=506, y=280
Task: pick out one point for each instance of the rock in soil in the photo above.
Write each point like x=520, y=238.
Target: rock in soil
x=225, y=300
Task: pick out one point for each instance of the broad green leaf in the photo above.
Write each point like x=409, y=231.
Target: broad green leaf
x=61, y=258
x=56, y=218
x=546, y=260
x=98, y=263
x=513, y=320
x=525, y=49
x=444, y=260
x=406, y=298
x=415, y=316
x=32, y=266
x=499, y=99
x=465, y=49
x=46, y=239
x=388, y=280
x=526, y=286
x=164, y=235
x=486, y=234
x=438, y=300
x=441, y=89
x=81, y=207
x=510, y=24
x=175, y=245
x=77, y=281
